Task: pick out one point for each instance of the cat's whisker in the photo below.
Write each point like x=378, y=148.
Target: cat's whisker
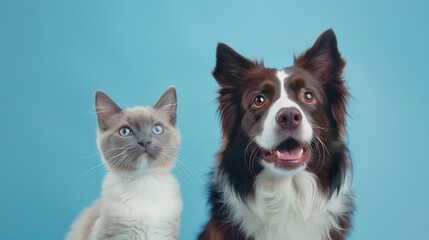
x=184, y=146
x=187, y=176
x=188, y=172
x=100, y=174
x=92, y=155
x=118, y=159
x=127, y=164
x=115, y=149
x=191, y=172
x=185, y=163
x=165, y=159
x=179, y=158
x=90, y=170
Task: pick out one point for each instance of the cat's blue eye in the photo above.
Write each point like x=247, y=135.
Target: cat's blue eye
x=125, y=132
x=157, y=130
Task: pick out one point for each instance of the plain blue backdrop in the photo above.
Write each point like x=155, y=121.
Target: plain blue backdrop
x=55, y=54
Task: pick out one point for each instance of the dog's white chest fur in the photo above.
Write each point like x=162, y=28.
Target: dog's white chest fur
x=287, y=208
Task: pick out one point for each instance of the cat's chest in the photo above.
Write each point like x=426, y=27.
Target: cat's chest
x=146, y=208
x=150, y=199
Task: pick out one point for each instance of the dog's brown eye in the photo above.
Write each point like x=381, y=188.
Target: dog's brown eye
x=259, y=101
x=308, y=97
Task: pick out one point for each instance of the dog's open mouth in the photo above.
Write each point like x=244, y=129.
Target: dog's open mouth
x=289, y=155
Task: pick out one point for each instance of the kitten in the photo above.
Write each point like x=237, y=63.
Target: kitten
x=140, y=197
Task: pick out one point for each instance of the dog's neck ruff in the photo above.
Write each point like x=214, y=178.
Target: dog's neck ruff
x=287, y=207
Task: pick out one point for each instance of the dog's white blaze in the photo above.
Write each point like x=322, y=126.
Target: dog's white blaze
x=269, y=138
x=288, y=207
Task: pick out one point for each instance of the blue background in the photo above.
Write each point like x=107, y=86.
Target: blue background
x=55, y=54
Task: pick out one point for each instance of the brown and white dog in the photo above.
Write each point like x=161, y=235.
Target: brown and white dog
x=283, y=171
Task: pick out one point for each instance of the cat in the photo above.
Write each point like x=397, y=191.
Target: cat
x=140, y=197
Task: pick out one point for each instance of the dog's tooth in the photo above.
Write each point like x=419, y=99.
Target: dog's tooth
x=301, y=152
x=278, y=154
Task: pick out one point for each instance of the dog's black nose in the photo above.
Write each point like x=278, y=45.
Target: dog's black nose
x=289, y=118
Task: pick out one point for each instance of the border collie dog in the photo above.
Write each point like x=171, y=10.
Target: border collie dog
x=283, y=171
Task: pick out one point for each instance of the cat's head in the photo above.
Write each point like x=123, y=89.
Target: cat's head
x=138, y=138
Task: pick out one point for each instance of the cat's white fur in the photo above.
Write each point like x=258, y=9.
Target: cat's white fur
x=146, y=206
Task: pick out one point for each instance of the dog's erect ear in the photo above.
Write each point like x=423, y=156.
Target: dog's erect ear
x=230, y=73
x=230, y=67
x=323, y=59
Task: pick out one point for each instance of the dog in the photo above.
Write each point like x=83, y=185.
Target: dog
x=283, y=171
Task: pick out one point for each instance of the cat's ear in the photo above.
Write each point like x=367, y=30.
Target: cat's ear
x=168, y=103
x=105, y=108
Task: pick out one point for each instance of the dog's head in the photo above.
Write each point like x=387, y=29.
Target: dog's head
x=285, y=113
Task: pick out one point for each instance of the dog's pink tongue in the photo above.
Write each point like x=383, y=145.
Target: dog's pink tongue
x=291, y=155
